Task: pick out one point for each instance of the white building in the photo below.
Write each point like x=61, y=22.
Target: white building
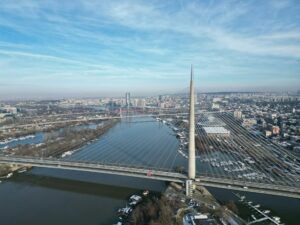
x=249, y=122
x=215, y=106
x=216, y=131
x=238, y=114
x=10, y=109
x=268, y=133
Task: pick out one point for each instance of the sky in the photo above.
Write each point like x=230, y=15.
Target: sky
x=89, y=48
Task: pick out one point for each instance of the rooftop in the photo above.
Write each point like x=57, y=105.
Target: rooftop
x=216, y=130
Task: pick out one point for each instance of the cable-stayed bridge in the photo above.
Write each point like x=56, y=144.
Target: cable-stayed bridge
x=238, y=161
x=226, y=154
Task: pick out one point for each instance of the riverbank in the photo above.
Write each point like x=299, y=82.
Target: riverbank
x=59, y=145
x=20, y=130
x=7, y=169
x=59, y=142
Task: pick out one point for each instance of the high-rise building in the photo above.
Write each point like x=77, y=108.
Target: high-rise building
x=160, y=98
x=238, y=114
x=127, y=99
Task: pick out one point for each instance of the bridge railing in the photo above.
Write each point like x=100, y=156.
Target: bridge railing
x=246, y=184
x=70, y=162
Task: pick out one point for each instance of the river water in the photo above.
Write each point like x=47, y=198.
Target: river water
x=52, y=196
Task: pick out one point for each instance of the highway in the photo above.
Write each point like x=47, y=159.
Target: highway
x=149, y=173
x=279, y=190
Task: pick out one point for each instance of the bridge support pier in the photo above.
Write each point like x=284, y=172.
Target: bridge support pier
x=189, y=188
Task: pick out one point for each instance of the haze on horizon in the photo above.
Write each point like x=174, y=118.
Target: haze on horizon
x=55, y=49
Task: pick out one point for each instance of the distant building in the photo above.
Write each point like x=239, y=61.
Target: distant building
x=268, y=133
x=160, y=98
x=9, y=109
x=263, y=123
x=215, y=106
x=141, y=103
x=216, y=131
x=273, y=115
x=275, y=130
x=134, y=102
x=127, y=99
x=238, y=114
x=217, y=100
x=2, y=117
x=249, y=122
x=161, y=105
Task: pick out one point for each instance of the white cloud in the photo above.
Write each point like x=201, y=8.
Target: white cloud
x=135, y=40
x=204, y=22
x=195, y=19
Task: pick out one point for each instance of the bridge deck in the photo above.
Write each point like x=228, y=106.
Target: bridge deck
x=150, y=173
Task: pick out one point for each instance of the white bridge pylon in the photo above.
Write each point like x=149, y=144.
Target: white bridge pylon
x=192, y=159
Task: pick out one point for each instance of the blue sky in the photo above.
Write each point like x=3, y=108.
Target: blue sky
x=94, y=48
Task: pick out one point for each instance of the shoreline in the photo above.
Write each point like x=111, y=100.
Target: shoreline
x=172, y=206
x=6, y=169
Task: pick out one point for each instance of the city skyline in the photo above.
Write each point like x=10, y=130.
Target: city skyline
x=52, y=49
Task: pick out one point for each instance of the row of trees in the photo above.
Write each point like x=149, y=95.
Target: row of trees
x=153, y=211
x=4, y=169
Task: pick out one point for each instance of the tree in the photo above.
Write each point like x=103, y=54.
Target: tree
x=232, y=206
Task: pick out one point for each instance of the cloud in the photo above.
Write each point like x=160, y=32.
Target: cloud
x=195, y=19
x=135, y=41
x=279, y=4
x=204, y=21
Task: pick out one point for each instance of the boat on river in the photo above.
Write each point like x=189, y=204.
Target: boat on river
x=22, y=170
x=146, y=193
x=134, y=200
x=125, y=211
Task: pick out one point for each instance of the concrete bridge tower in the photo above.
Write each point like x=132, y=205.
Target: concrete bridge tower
x=192, y=159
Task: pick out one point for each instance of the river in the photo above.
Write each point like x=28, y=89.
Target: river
x=52, y=196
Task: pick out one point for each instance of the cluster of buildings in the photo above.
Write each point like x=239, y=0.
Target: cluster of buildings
x=7, y=111
x=160, y=102
x=275, y=116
